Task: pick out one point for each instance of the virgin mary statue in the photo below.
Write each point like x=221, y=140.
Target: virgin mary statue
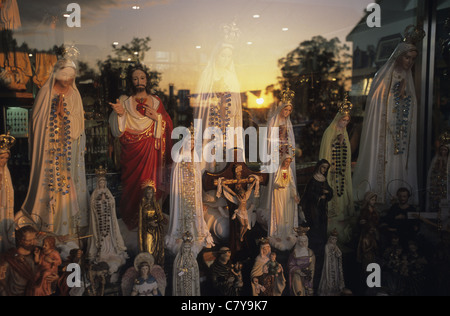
x=388, y=146
x=218, y=102
x=57, y=190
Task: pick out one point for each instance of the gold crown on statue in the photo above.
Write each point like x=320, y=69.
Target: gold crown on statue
x=231, y=33
x=101, y=172
x=345, y=106
x=6, y=142
x=301, y=231
x=148, y=183
x=71, y=52
x=287, y=96
x=413, y=34
x=263, y=241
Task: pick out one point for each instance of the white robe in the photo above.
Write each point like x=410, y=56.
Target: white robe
x=6, y=211
x=284, y=212
x=378, y=168
x=218, y=104
x=59, y=213
x=273, y=143
x=332, y=281
x=106, y=243
x=186, y=205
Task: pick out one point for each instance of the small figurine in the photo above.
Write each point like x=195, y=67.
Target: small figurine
x=20, y=266
x=314, y=204
x=106, y=243
x=273, y=266
x=301, y=265
x=258, y=288
x=369, y=216
x=48, y=260
x=98, y=274
x=274, y=286
x=241, y=198
x=396, y=219
x=223, y=278
x=151, y=222
x=335, y=148
x=186, y=275
x=332, y=281
x=284, y=206
x=144, y=279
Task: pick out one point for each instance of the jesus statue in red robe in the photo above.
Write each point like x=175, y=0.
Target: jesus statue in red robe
x=144, y=129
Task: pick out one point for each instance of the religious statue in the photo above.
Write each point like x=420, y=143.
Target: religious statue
x=284, y=206
x=280, y=125
x=332, y=281
x=281, y=142
x=186, y=275
x=273, y=284
x=438, y=180
x=6, y=195
x=241, y=199
x=301, y=266
x=186, y=205
x=239, y=178
x=19, y=277
x=106, y=243
x=97, y=276
x=396, y=220
x=144, y=279
x=218, y=99
x=388, y=141
x=151, y=220
x=335, y=148
x=223, y=278
x=57, y=190
x=48, y=260
x=315, y=204
x=369, y=215
x=144, y=129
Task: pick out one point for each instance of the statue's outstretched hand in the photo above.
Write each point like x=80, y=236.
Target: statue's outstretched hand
x=118, y=107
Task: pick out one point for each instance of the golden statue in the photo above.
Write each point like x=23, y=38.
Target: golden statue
x=151, y=221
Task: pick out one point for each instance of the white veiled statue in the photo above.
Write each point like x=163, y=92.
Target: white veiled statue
x=388, y=145
x=57, y=190
x=332, y=281
x=106, y=243
x=218, y=102
x=281, y=140
x=186, y=275
x=186, y=206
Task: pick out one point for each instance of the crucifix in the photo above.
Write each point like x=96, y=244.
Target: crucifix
x=238, y=178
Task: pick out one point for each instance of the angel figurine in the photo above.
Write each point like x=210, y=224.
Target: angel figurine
x=145, y=278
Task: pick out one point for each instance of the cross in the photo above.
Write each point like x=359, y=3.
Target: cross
x=210, y=182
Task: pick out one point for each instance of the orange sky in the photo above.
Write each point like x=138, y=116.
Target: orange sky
x=178, y=27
